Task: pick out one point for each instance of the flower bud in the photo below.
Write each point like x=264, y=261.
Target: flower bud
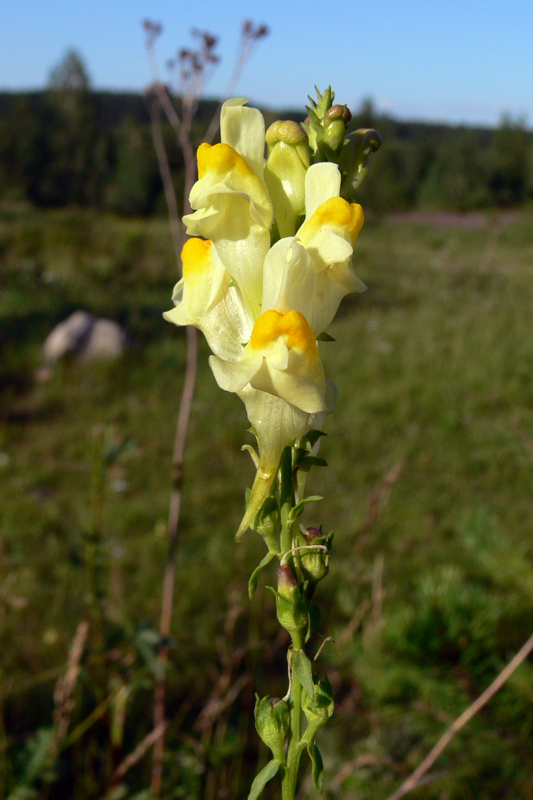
x=285, y=171
x=319, y=709
x=287, y=584
x=355, y=159
x=290, y=606
x=272, y=720
x=334, y=123
x=338, y=112
x=315, y=563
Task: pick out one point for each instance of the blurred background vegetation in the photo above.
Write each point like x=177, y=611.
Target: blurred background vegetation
x=428, y=488
x=71, y=145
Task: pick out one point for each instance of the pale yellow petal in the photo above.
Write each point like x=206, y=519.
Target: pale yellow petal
x=289, y=277
x=205, y=298
x=322, y=181
x=243, y=129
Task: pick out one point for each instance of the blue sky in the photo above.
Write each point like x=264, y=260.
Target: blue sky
x=418, y=59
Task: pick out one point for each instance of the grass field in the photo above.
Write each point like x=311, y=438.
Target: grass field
x=427, y=601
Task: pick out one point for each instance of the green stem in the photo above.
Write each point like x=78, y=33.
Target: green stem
x=288, y=786
x=286, y=498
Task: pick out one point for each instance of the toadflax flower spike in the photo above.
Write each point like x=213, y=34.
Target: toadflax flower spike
x=262, y=306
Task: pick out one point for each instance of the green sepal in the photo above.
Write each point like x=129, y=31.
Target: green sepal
x=325, y=337
x=265, y=523
x=314, y=562
x=254, y=577
x=261, y=780
x=292, y=614
x=317, y=709
x=317, y=111
x=314, y=619
x=303, y=671
x=272, y=722
x=317, y=767
x=267, y=518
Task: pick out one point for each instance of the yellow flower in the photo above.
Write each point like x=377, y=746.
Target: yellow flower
x=262, y=307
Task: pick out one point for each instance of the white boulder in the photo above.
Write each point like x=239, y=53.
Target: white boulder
x=84, y=336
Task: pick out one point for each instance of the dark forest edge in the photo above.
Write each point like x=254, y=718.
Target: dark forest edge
x=93, y=149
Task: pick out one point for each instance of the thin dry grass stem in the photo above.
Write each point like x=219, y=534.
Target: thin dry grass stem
x=154, y=106
x=169, y=574
x=223, y=692
x=218, y=720
x=186, y=398
x=416, y=777
x=324, y=643
x=377, y=589
x=436, y=713
x=251, y=35
x=374, y=621
x=377, y=502
x=364, y=760
x=93, y=717
x=135, y=756
x=213, y=721
x=64, y=690
x=354, y=623
x=191, y=68
x=218, y=703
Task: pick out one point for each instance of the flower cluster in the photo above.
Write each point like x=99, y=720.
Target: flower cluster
x=263, y=276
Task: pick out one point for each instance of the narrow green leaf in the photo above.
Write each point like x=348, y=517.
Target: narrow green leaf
x=303, y=671
x=308, y=441
x=252, y=583
x=325, y=337
x=306, y=462
x=318, y=767
x=298, y=509
x=260, y=781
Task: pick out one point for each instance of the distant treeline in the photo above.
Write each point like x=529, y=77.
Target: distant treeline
x=94, y=149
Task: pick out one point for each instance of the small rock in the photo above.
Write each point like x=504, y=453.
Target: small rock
x=69, y=337
x=106, y=340
x=86, y=337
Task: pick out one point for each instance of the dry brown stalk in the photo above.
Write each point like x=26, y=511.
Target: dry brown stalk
x=169, y=574
x=377, y=589
x=223, y=692
x=216, y=705
x=377, y=501
x=354, y=623
x=64, y=690
x=364, y=760
x=192, y=68
x=415, y=778
x=154, y=106
x=139, y=751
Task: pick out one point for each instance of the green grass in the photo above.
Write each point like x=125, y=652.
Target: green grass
x=433, y=365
